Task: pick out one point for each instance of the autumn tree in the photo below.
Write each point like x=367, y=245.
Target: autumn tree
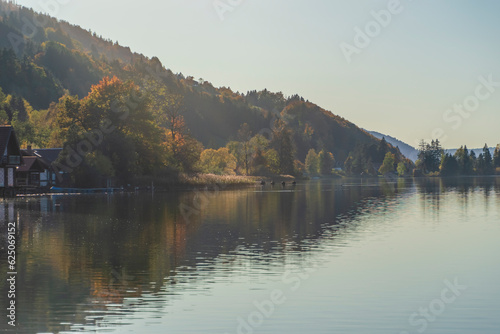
x=110, y=132
x=219, y=161
x=183, y=151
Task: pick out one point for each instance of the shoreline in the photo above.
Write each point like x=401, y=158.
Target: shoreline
x=192, y=182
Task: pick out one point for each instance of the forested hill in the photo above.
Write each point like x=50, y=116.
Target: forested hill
x=46, y=59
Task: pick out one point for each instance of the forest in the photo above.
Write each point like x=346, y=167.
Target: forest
x=433, y=160
x=123, y=116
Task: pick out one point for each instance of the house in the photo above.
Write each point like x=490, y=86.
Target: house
x=37, y=170
x=30, y=173
x=10, y=159
x=50, y=177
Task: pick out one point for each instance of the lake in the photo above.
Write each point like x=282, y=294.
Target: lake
x=324, y=256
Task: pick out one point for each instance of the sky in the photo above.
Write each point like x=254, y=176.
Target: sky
x=412, y=69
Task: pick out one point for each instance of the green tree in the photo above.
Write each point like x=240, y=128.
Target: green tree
x=245, y=135
x=235, y=148
x=488, y=161
x=312, y=162
x=282, y=143
x=382, y=149
x=429, y=156
x=480, y=164
x=402, y=169
x=219, y=161
x=183, y=151
x=116, y=122
x=496, y=157
x=272, y=159
x=259, y=164
x=465, y=161
x=473, y=162
x=360, y=160
x=388, y=164
x=326, y=162
x=449, y=165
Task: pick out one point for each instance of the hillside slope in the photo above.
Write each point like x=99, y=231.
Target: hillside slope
x=60, y=58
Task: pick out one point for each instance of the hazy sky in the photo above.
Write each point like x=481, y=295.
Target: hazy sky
x=408, y=75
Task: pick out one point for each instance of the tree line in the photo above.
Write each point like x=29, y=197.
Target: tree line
x=145, y=133
x=55, y=97
x=433, y=160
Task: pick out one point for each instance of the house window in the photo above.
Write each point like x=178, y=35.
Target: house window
x=14, y=160
x=10, y=177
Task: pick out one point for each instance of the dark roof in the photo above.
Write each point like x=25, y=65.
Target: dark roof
x=5, y=132
x=9, y=145
x=32, y=164
x=48, y=154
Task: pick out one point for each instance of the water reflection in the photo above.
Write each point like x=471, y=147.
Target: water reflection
x=84, y=259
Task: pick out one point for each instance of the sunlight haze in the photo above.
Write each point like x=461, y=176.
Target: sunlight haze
x=427, y=58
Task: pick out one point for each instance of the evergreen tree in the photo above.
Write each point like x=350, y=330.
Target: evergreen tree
x=464, y=160
x=282, y=143
x=481, y=165
x=496, y=157
x=488, y=161
x=382, y=149
x=429, y=156
x=449, y=165
x=473, y=162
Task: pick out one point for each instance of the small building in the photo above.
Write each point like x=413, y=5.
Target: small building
x=51, y=177
x=10, y=157
x=37, y=170
x=30, y=173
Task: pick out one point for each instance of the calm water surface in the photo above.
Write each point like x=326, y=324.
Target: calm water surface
x=357, y=256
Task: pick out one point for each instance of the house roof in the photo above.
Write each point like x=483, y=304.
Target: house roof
x=9, y=144
x=5, y=132
x=48, y=154
x=32, y=164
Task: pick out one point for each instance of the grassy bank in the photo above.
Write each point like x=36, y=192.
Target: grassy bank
x=212, y=179
x=198, y=180
x=182, y=181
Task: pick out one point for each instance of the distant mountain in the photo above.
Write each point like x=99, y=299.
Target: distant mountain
x=412, y=153
x=408, y=151
x=62, y=59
